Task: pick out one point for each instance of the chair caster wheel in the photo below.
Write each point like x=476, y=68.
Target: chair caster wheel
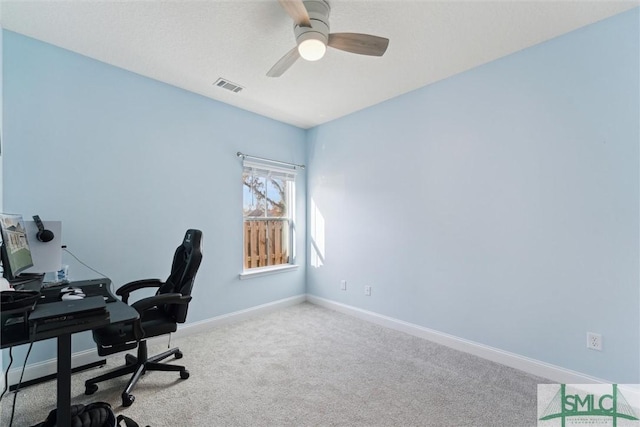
x=127, y=399
x=130, y=359
x=90, y=389
x=178, y=354
x=184, y=374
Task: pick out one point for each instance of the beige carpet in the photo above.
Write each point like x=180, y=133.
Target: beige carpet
x=308, y=366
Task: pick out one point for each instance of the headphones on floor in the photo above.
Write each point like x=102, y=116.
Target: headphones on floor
x=43, y=234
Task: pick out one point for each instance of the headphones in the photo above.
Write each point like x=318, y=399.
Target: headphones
x=43, y=234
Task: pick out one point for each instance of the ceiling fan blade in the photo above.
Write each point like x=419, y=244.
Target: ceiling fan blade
x=363, y=44
x=297, y=12
x=284, y=63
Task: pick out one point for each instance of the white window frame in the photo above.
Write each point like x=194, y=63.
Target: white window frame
x=266, y=169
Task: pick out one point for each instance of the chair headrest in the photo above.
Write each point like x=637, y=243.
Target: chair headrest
x=192, y=239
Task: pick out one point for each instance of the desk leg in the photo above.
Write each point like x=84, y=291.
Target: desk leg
x=64, y=380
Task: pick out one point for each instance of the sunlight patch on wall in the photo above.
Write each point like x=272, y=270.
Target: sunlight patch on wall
x=317, y=236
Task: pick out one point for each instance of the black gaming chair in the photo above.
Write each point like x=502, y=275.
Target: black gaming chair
x=159, y=315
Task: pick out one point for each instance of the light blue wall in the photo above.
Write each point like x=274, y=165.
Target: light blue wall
x=128, y=164
x=499, y=205
x=1, y=104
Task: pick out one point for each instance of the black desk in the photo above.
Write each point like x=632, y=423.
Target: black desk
x=119, y=312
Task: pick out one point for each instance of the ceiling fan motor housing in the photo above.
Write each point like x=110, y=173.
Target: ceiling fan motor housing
x=318, y=11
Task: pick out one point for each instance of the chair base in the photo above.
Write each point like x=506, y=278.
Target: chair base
x=138, y=366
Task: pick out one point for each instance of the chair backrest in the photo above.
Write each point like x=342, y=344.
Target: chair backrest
x=186, y=261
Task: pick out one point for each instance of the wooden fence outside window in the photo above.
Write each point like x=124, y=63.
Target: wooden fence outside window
x=265, y=242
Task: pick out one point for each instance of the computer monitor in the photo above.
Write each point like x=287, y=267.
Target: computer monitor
x=15, y=252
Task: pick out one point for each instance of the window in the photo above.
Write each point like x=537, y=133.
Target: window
x=268, y=207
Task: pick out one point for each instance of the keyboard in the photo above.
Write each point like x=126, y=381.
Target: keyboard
x=28, y=282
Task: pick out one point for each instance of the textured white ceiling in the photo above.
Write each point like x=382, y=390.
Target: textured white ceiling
x=189, y=44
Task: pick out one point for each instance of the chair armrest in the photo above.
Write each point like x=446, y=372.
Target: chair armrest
x=125, y=290
x=146, y=303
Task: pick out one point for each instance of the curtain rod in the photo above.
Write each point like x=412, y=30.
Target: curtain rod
x=244, y=156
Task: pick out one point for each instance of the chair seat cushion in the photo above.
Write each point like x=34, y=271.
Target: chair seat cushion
x=154, y=322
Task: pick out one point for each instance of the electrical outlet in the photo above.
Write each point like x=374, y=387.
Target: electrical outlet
x=594, y=341
x=343, y=285
x=367, y=291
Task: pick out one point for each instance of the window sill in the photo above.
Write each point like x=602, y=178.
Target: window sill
x=258, y=272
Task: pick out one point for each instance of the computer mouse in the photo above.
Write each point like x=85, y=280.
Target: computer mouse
x=70, y=293
x=71, y=297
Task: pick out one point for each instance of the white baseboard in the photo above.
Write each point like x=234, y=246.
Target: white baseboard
x=49, y=367
x=237, y=316
x=534, y=367
x=531, y=366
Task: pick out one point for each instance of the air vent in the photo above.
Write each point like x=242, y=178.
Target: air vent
x=226, y=84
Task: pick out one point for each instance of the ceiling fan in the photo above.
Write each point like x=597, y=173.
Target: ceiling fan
x=311, y=29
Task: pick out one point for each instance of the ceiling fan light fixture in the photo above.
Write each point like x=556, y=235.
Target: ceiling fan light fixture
x=311, y=30
x=311, y=46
